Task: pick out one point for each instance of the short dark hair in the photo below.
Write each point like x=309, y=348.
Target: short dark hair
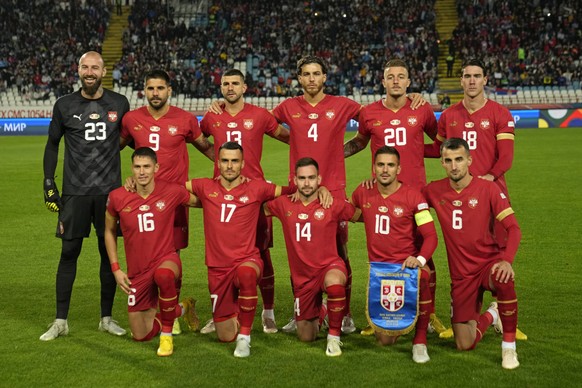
x=474, y=62
x=388, y=150
x=231, y=145
x=145, y=152
x=396, y=63
x=234, y=72
x=308, y=59
x=157, y=74
x=304, y=162
x=454, y=143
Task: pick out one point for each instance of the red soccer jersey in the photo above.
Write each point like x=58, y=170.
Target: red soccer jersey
x=230, y=219
x=167, y=136
x=466, y=219
x=309, y=234
x=147, y=223
x=403, y=130
x=318, y=132
x=247, y=128
x=390, y=223
x=482, y=130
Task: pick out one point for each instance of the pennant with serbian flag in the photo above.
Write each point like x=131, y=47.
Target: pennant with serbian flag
x=392, y=306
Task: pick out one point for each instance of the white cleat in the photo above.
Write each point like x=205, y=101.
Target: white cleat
x=334, y=347
x=243, y=347
x=290, y=327
x=509, y=359
x=110, y=326
x=348, y=325
x=420, y=354
x=209, y=327
x=56, y=329
x=269, y=325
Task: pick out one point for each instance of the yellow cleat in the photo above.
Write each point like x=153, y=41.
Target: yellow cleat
x=447, y=333
x=369, y=330
x=520, y=335
x=166, y=346
x=190, y=316
x=435, y=325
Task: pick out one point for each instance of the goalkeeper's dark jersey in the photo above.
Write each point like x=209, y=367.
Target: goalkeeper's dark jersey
x=91, y=128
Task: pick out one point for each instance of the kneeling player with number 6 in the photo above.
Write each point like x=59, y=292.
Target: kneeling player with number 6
x=154, y=268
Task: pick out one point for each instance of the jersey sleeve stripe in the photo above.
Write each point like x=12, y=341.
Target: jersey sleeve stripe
x=504, y=214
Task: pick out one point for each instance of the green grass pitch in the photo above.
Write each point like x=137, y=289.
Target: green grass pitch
x=544, y=183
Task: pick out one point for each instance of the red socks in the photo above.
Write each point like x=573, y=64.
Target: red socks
x=247, y=297
x=168, y=299
x=267, y=283
x=336, y=306
x=424, y=309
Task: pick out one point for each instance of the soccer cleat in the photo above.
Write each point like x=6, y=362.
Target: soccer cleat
x=509, y=359
x=166, y=346
x=369, y=330
x=520, y=335
x=334, y=347
x=56, y=329
x=420, y=354
x=348, y=325
x=176, y=329
x=447, y=333
x=290, y=327
x=269, y=325
x=243, y=347
x=110, y=326
x=189, y=315
x=435, y=325
x=498, y=326
x=208, y=327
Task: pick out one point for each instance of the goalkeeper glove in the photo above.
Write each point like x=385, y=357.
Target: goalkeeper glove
x=52, y=199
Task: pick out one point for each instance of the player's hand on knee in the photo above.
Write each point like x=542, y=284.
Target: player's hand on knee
x=503, y=272
x=52, y=199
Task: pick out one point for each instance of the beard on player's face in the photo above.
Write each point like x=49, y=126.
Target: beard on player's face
x=91, y=89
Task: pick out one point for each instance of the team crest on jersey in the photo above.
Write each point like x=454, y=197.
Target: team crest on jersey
x=376, y=123
x=469, y=124
x=473, y=202
x=395, y=122
x=383, y=209
x=94, y=116
x=138, y=127
x=412, y=121
x=160, y=205
x=313, y=116
x=248, y=123
x=485, y=124
x=112, y=116
x=144, y=208
x=173, y=130
x=213, y=195
x=392, y=297
x=302, y=216
x=228, y=197
x=155, y=128
x=244, y=199
x=319, y=214
x=398, y=211
x=457, y=203
x=232, y=124
x=330, y=114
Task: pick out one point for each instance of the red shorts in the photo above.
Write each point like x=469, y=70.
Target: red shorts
x=144, y=295
x=223, y=291
x=264, y=232
x=467, y=295
x=308, y=297
x=181, y=227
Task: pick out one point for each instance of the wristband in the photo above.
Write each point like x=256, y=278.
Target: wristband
x=115, y=266
x=419, y=258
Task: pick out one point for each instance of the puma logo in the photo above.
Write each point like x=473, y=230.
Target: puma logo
x=78, y=117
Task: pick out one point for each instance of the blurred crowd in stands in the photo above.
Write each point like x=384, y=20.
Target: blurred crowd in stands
x=522, y=42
